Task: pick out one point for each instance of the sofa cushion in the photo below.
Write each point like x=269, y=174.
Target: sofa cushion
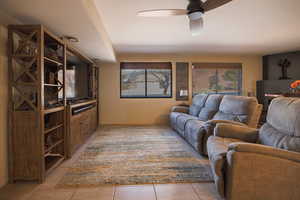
x=210, y=108
x=282, y=129
x=194, y=133
x=284, y=115
x=236, y=108
x=198, y=103
x=270, y=136
x=173, y=119
x=183, y=119
x=217, y=148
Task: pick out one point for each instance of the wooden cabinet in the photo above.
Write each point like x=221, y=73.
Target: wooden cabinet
x=81, y=125
x=37, y=102
x=43, y=131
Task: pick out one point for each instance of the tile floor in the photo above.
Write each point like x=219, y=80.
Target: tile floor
x=47, y=190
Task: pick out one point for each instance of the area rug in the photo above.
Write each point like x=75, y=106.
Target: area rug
x=136, y=155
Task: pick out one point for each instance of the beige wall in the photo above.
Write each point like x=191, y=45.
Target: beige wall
x=114, y=110
x=3, y=106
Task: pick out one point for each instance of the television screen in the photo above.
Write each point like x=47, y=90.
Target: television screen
x=77, y=77
x=70, y=83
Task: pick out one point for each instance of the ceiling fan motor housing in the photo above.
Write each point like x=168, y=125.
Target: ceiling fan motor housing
x=195, y=6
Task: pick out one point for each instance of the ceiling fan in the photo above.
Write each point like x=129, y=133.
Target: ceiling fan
x=195, y=11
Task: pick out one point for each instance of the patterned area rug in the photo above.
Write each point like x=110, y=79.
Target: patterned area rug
x=136, y=155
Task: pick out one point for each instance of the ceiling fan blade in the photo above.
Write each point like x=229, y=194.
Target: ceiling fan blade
x=212, y=4
x=196, y=26
x=162, y=12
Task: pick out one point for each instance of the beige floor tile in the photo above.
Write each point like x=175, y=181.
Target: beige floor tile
x=99, y=193
x=17, y=191
x=138, y=192
x=206, y=191
x=175, y=192
x=51, y=194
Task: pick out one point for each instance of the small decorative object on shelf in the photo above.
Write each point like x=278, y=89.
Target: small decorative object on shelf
x=184, y=93
x=284, y=64
x=295, y=87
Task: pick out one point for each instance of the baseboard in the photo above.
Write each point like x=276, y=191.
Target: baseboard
x=133, y=125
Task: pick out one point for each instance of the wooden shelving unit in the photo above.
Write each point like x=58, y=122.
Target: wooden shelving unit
x=37, y=64
x=40, y=120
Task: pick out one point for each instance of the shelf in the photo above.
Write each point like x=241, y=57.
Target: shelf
x=54, y=145
x=53, y=155
x=83, y=103
x=53, y=128
x=52, y=163
x=53, y=61
x=52, y=85
x=52, y=110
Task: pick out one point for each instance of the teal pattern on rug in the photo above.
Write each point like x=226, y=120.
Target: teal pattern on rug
x=136, y=155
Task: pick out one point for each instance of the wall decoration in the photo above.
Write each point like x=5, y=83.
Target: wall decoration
x=284, y=64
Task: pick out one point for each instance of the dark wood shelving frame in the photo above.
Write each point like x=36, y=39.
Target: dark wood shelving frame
x=48, y=130
x=29, y=157
x=28, y=133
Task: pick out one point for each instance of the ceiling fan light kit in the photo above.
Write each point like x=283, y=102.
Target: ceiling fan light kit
x=195, y=15
x=195, y=11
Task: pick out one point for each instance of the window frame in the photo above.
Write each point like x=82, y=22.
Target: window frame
x=145, y=66
x=217, y=66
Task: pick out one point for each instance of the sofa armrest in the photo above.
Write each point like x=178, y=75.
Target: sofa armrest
x=215, y=122
x=265, y=150
x=256, y=171
x=234, y=131
x=182, y=109
x=210, y=125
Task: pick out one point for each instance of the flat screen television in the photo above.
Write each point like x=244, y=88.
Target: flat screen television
x=77, y=78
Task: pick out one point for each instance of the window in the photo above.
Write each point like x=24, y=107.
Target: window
x=217, y=78
x=146, y=80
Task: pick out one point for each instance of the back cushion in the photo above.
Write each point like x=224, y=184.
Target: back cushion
x=198, y=103
x=236, y=108
x=282, y=129
x=210, y=108
x=284, y=115
x=270, y=136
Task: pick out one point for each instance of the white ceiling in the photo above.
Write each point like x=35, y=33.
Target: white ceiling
x=240, y=27
x=77, y=18
x=105, y=26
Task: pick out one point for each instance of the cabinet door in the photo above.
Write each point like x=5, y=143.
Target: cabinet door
x=75, y=133
x=84, y=124
x=94, y=119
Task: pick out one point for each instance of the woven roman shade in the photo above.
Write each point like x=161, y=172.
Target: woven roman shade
x=146, y=65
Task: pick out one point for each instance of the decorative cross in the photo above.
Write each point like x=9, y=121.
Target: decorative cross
x=284, y=64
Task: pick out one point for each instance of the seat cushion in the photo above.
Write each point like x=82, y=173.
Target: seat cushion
x=217, y=148
x=198, y=103
x=173, y=119
x=194, y=134
x=211, y=107
x=182, y=120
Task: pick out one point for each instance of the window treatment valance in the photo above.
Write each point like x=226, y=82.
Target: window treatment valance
x=146, y=65
x=217, y=65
